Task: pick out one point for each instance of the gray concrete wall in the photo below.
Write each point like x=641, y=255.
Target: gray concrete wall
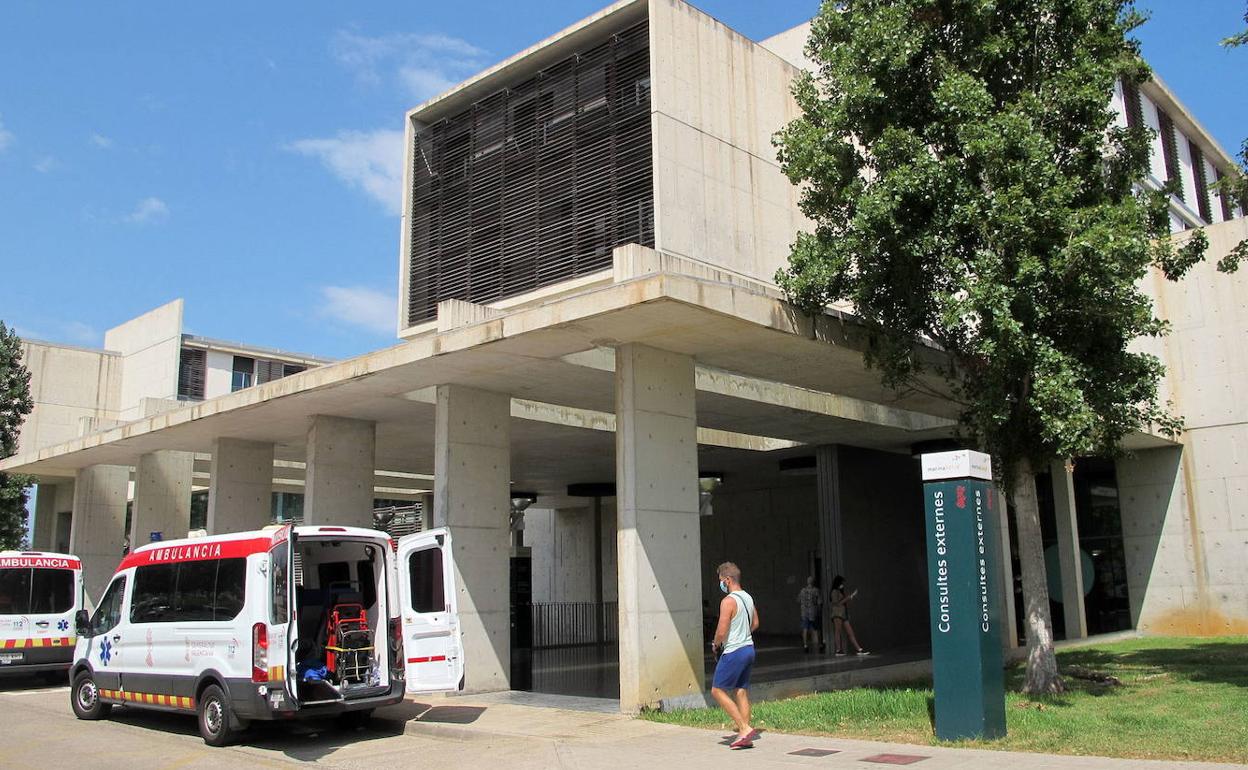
x=885, y=553
x=770, y=532
x=151, y=346
x=67, y=384
x=561, y=543
x=717, y=97
x=1185, y=510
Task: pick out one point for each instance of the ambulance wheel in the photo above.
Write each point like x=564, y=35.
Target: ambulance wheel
x=217, y=724
x=354, y=720
x=84, y=696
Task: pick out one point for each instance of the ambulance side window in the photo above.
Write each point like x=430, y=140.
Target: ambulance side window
x=108, y=614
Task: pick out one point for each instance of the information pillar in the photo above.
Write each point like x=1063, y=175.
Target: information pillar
x=963, y=572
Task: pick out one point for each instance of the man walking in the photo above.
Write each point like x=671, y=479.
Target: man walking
x=734, y=642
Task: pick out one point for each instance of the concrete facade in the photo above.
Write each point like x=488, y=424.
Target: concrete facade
x=471, y=497
x=162, y=496
x=660, y=588
x=339, y=479
x=1068, y=551
x=678, y=359
x=1185, y=515
x=97, y=534
x=149, y=346
x=240, y=494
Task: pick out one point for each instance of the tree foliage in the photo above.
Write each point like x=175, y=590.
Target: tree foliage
x=15, y=404
x=987, y=201
x=969, y=185
x=1235, y=186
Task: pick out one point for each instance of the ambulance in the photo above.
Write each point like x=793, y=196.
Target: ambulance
x=283, y=623
x=40, y=593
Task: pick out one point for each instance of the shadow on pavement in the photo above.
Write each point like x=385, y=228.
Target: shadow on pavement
x=38, y=681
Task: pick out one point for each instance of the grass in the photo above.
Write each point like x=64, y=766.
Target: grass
x=1180, y=698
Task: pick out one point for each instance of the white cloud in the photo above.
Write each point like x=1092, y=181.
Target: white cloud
x=366, y=308
x=46, y=163
x=148, y=210
x=425, y=64
x=100, y=141
x=6, y=138
x=371, y=161
x=73, y=332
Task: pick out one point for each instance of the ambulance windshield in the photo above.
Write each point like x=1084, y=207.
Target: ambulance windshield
x=26, y=590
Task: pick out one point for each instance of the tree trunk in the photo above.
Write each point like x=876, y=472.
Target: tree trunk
x=1042, y=676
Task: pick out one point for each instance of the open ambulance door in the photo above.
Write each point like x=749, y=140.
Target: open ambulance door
x=283, y=641
x=432, y=651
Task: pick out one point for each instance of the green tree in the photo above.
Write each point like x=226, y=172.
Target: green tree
x=15, y=404
x=969, y=187
x=1235, y=186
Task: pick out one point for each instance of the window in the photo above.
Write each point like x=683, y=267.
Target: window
x=15, y=591
x=279, y=583
x=428, y=594
x=193, y=599
x=188, y=592
x=244, y=373
x=51, y=591
x=231, y=588
x=152, y=601
x=108, y=614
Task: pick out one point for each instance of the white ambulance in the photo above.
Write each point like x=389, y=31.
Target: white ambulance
x=283, y=623
x=39, y=595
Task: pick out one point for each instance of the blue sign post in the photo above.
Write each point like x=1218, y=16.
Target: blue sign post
x=963, y=567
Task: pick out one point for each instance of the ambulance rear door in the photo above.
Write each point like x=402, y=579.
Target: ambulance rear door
x=432, y=648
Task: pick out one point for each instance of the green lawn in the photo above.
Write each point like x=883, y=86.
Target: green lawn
x=1180, y=698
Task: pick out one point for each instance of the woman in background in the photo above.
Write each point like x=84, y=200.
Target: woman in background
x=839, y=598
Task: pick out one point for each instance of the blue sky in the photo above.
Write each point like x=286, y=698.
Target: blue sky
x=246, y=156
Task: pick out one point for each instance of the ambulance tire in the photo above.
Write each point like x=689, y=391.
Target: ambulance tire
x=84, y=697
x=217, y=724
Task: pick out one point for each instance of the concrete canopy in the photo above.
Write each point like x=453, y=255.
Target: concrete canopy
x=764, y=370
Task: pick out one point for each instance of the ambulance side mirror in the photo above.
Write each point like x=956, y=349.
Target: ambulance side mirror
x=82, y=623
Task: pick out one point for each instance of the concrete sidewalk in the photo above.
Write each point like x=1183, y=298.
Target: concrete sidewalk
x=540, y=736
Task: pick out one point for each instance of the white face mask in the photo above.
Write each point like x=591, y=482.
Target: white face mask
x=723, y=586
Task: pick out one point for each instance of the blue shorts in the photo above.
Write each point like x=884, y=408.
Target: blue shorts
x=732, y=672
x=810, y=625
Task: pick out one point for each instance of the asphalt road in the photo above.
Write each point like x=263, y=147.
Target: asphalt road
x=38, y=730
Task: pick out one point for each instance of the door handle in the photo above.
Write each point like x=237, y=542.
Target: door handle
x=116, y=637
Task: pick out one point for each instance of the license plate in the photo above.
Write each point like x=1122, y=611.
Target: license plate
x=10, y=657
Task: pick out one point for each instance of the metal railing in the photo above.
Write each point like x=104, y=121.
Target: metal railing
x=573, y=624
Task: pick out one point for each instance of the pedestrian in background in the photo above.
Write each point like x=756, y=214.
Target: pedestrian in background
x=840, y=599
x=810, y=601
x=734, y=647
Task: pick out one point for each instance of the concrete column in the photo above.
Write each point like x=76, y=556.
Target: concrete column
x=162, y=496
x=240, y=494
x=338, y=487
x=1009, y=622
x=831, y=530
x=41, y=534
x=63, y=518
x=658, y=540
x=426, y=511
x=1068, y=550
x=98, y=529
x=472, y=497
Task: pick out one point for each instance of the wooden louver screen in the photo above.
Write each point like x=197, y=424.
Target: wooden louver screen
x=192, y=371
x=1170, y=149
x=1202, y=181
x=1225, y=199
x=534, y=184
x=1133, y=109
